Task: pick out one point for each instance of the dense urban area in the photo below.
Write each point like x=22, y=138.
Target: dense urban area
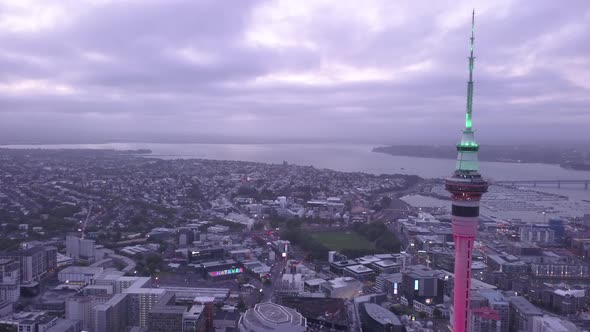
x=101, y=240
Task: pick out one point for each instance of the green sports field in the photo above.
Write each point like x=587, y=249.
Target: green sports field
x=343, y=240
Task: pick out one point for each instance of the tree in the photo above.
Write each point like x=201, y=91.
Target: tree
x=153, y=262
x=437, y=313
x=241, y=305
x=248, y=191
x=385, y=202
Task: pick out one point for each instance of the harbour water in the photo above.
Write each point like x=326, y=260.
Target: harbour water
x=342, y=157
x=501, y=201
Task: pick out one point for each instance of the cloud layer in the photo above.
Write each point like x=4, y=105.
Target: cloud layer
x=373, y=71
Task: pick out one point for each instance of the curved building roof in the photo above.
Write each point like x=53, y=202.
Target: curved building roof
x=381, y=315
x=272, y=317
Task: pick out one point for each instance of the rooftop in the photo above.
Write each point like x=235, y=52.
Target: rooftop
x=381, y=315
x=359, y=269
x=525, y=306
x=342, y=282
x=315, y=282
x=272, y=317
x=421, y=271
x=5, y=261
x=218, y=263
x=385, y=263
x=571, y=292
x=82, y=269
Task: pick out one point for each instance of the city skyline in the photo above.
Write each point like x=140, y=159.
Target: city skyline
x=284, y=71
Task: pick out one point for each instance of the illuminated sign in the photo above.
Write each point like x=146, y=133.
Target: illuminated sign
x=226, y=272
x=416, y=284
x=395, y=288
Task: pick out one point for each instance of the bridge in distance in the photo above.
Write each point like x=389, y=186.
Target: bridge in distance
x=534, y=183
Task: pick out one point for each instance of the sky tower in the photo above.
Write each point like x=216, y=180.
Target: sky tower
x=466, y=187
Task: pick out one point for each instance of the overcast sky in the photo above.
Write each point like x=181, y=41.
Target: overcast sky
x=378, y=71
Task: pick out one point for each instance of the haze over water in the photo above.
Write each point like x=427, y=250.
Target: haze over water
x=341, y=157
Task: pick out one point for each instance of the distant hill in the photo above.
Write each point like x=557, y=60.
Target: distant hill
x=567, y=157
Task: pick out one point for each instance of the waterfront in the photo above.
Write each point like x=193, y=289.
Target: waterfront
x=341, y=157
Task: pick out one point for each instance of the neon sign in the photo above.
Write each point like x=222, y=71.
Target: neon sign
x=226, y=272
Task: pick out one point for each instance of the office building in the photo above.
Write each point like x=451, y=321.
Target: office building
x=205, y=254
x=342, y=288
x=386, y=266
x=566, y=301
x=139, y=303
x=165, y=315
x=83, y=249
x=9, y=280
x=33, y=263
x=338, y=267
x=522, y=313
x=194, y=320
x=389, y=284
x=113, y=315
x=50, y=257
x=423, y=284
x=552, y=324
x=79, y=274
x=359, y=272
x=490, y=311
x=80, y=308
x=64, y=325
x=537, y=233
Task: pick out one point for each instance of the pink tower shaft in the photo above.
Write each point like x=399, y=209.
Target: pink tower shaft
x=464, y=231
x=466, y=187
x=462, y=291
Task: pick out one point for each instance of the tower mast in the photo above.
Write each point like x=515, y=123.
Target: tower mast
x=466, y=187
x=470, y=83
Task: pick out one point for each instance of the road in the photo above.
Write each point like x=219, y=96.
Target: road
x=276, y=273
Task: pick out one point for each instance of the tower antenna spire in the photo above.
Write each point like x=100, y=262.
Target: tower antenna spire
x=466, y=187
x=470, y=82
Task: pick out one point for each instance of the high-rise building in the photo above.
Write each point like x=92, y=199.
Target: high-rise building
x=423, y=284
x=33, y=263
x=558, y=228
x=80, y=308
x=9, y=280
x=165, y=315
x=50, y=257
x=78, y=248
x=522, y=313
x=490, y=311
x=140, y=301
x=537, y=233
x=466, y=187
x=113, y=315
x=168, y=315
